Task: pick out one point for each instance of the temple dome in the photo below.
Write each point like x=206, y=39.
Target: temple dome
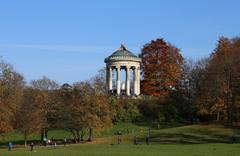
x=122, y=54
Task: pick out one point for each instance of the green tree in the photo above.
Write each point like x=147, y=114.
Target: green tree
x=126, y=110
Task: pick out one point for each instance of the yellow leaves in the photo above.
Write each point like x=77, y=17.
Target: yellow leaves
x=221, y=85
x=218, y=106
x=83, y=107
x=5, y=124
x=237, y=102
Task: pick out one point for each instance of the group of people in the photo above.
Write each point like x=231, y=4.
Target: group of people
x=10, y=146
x=50, y=142
x=32, y=145
x=135, y=139
x=65, y=141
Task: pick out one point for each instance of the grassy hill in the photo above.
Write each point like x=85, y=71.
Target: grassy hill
x=188, y=134
x=167, y=134
x=192, y=134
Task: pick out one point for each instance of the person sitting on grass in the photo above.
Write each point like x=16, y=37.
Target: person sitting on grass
x=49, y=142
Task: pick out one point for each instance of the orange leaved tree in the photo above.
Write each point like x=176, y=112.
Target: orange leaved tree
x=161, y=67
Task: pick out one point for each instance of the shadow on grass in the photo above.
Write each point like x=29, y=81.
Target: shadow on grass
x=191, y=139
x=165, y=125
x=195, y=134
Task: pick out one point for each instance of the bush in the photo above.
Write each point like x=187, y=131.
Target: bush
x=126, y=111
x=165, y=109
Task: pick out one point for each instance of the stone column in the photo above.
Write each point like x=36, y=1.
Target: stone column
x=135, y=81
x=138, y=79
x=127, y=81
x=118, y=80
x=109, y=78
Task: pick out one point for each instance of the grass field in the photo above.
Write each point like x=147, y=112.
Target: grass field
x=132, y=150
x=190, y=140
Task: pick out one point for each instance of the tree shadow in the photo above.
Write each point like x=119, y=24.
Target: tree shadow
x=164, y=125
x=192, y=138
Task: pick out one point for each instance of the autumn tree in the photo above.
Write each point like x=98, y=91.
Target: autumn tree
x=95, y=105
x=64, y=111
x=99, y=82
x=193, y=84
x=161, y=67
x=45, y=88
x=223, y=80
x=28, y=113
x=44, y=84
x=11, y=85
x=82, y=108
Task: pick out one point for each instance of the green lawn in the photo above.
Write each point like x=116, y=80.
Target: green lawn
x=124, y=128
x=132, y=150
x=170, y=140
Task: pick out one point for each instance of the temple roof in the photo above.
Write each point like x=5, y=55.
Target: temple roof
x=122, y=54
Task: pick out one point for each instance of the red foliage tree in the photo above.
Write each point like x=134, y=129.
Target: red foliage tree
x=161, y=67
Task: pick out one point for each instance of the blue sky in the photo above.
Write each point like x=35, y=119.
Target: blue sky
x=67, y=40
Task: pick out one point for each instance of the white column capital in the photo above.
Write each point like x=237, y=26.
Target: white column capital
x=118, y=67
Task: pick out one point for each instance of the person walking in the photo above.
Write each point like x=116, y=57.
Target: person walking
x=64, y=141
x=32, y=146
x=135, y=140
x=119, y=140
x=147, y=139
x=119, y=137
x=45, y=141
x=10, y=146
x=55, y=144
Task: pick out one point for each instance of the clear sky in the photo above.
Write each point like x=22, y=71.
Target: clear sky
x=67, y=40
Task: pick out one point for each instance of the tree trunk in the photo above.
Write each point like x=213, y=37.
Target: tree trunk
x=25, y=138
x=218, y=116
x=46, y=133
x=82, y=135
x=42, y=134
x=78, y=136
x=90, y=134
x=74, y=135
x=230, y=97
